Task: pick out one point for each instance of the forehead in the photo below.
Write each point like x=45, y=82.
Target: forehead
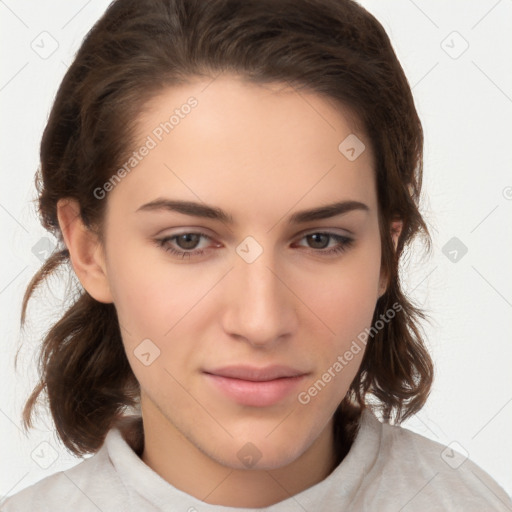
x=257, y=149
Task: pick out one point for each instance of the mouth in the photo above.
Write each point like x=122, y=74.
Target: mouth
x=255, y=387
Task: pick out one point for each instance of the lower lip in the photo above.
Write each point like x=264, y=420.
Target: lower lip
x=256, y=394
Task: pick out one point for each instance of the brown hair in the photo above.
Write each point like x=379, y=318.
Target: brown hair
x=334, y=48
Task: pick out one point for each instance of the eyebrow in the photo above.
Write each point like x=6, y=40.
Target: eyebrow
x=211, y=212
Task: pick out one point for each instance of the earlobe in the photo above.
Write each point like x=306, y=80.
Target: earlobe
x=396, y=230
x=383, y=285
x=85, y=251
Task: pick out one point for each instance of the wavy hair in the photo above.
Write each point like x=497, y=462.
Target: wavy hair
x=334, y=48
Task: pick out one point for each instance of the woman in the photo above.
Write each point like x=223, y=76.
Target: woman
x=233, y=184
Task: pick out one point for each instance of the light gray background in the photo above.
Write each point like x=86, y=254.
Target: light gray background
x=464, y=98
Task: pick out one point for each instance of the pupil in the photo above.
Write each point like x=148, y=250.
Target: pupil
x=315, y=238
x=190, y=240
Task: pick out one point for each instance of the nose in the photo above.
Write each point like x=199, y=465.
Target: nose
x=259, y=307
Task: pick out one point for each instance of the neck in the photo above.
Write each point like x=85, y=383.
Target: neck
x=178, y=461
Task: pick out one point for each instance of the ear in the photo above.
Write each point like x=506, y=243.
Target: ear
x=85, y=250
x=396, y=229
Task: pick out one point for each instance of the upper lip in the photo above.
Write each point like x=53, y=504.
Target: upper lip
x=266, y=373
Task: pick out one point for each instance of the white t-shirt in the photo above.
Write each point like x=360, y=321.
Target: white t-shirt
x=388, y=468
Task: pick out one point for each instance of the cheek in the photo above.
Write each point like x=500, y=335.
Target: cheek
x=346, y=305
x=152, y=305
x=150, y=293
x=159, y=301
x=350, y=292
x=347, y=308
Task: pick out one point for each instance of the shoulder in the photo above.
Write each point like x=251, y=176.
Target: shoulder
x=425, y=475
x=90, y=485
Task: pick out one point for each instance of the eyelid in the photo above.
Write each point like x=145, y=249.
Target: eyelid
x=327, y=231
x=202, y=232
x=185, y=230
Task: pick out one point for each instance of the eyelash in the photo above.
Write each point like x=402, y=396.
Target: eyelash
x=344, y=244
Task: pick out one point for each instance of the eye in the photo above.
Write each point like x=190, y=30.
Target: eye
x=185, y=245
x=319, y=242
x=186, y=242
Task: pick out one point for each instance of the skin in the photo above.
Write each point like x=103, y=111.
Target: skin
x=261, y=153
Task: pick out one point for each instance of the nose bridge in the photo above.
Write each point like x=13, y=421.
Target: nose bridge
x=260, y=308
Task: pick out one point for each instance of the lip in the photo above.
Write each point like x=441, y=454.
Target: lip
x=252, y=373
x=256, y=387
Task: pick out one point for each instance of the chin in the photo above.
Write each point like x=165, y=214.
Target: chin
x=263, y=452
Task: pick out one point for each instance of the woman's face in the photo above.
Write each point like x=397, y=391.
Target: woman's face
x=233, y=300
